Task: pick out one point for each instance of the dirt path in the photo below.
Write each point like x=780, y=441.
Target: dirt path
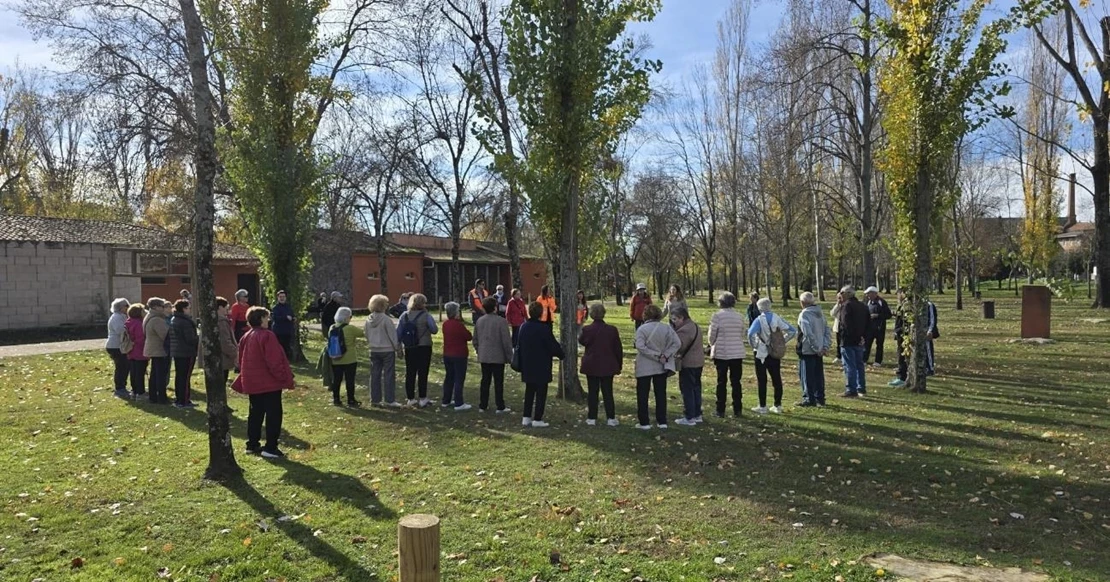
x=50, y=348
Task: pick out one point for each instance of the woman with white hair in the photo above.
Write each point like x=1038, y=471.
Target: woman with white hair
x=344, y=363
x=456, y=357
x=768, y=336
x=726, y=348
x=415, y=330
x=381, y=334
x=239, y=314
x=117, y=328
x=656, y=347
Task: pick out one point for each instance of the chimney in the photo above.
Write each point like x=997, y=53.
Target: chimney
x=1071, y=221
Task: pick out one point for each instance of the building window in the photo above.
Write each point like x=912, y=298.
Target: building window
x=410, y=276
x=372, y=276
x=153, y=281
x=186, y=280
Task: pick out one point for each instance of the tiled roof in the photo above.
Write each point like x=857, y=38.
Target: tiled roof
x=21, y=228
x=355, y=241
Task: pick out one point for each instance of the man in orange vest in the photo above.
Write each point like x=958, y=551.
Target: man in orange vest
x=476, y=296
x=547, y=300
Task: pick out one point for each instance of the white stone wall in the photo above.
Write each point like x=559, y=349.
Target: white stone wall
x=55, y=284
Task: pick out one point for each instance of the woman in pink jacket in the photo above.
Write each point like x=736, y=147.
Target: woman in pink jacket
x=263, y=373
x=135, y=357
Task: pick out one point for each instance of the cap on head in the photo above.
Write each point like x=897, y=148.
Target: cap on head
x=241, y=293
x=336, y=295
x=871, y=289
x=641, y=287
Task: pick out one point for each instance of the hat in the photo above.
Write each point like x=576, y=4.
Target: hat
x=871, y=289
x=641, y=286
x=242, y=293
x=336, y=295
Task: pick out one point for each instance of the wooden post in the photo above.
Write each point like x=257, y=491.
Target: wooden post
x=418, y=548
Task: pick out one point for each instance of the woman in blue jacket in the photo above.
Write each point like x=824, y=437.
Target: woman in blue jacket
x=536, y=346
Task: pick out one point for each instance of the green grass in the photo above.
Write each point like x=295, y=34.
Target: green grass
x=1009, y=430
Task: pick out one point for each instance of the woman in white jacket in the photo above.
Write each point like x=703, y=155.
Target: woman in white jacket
x=381, y=334
x=656, y=346
x=759, y=335
x=727, y=335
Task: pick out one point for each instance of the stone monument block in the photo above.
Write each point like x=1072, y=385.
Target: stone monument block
x=1036, y=311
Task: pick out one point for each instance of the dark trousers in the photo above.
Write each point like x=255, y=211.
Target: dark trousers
x=264, y=407
x=240, y=328
x=343, y=373
x=604, y=385
x=494, y=373
x=773, y=367
x=418, y=360
x=811, y=369
x=903, y=362
x=286, y=341
x=838, y=344
x=644, y=386
x=516, y=331
x=138, y=377
x=689, y=383
x=876, y=336
x=121, y=369
x=183, y=372
x=637, y=323
x=454, y=376
x=535, y=394
x=729, y=371
x=159, y=379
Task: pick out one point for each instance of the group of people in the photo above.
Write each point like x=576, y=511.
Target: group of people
x=163, y=335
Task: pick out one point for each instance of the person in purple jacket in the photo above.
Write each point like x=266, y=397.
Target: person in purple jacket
x=601, y=361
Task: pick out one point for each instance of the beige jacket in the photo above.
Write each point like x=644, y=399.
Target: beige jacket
x=156, y=329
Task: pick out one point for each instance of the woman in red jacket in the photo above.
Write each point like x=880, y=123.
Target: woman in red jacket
x=456, y=356
x=516, y=313
x=264, y=373
x=239, y=313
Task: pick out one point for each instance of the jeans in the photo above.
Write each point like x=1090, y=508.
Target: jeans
x=343, y=373
x=159, y=379
x=537, y=394
x=876, y=336
x=644, y=386
x=454, y=377
x=266, y=407
x=603, y=384
x=383, y=370
x=774, y=368
x=418, y=360
x=852, y=357
x=494, y=373
x=120, y=370
x=689, y=383
x=729, y=371
x=138, y=377
x=183, y=372
x=811, y=369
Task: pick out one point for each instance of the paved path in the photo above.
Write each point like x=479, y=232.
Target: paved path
x=50, y=348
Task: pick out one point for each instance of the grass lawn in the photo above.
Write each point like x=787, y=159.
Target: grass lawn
x=1007, y=463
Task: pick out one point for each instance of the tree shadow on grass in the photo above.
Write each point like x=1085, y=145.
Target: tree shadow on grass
x=197, y=418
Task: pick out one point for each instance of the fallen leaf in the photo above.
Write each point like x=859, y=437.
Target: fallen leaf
x=719, y=560
x=358, y=540
x=77, y=562
x=167, y=548
x=1016, y=515
x=164, y=572
x=880, y=572
x=247, y=541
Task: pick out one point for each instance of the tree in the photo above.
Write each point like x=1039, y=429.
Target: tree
x=221, y=456
x=579, y=88
x=729, y=75
x=655, y=199
x=928, y=84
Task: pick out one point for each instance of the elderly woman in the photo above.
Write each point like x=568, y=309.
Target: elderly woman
x=264, y=373
x=691, y=360
x=381, y=335
x=727, y=334
x=516, y=313
x=345, y=366
x=536, y=345
x=418, y=358
x=117, y=327
x=602, y=360
x=813, y=343
x=675, y=299
x=184, y=342
x=155, y=333
x=229, y=348
x=656, y=348
x=136, y=360
x=239, y=313
x=760, y=333
x=456, y=357
x=495, y=349
x=835, y=313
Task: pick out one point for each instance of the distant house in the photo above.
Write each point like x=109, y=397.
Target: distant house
x=58, y=271
x=1073, y=234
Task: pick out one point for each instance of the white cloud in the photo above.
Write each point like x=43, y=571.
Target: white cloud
x=17, y=46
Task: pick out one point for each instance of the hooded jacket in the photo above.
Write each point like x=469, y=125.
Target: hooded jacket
x=155, y=330
x=759, y=334
x=184, y=340
x=816, y=336
x=381, y=333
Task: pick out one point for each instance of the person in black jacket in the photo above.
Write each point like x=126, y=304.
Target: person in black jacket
x=327, y=314
x=854, y=321
x=879, y=312
x=183, y=348
x=753, y=308
x=900, y=340
x=536, y=346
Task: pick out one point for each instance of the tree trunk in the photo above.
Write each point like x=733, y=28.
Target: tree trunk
x=709, y=276
x=221, y=455
x=382, y=263
x=922, y=277
x=1100, y=176
x=568, y=234
x=512, y=234
x=956, y=238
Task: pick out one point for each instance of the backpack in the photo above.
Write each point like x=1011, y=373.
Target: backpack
x=776, y=347
x=407, y=333
x=126, y=343
x=337, y=344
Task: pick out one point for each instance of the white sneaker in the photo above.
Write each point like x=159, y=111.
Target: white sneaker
x=663, y=426
x=527, y=421
x=424, y=402
x=411, y=402
x=776, y=409
x=685, y=422
x=643, y=426
x=760, y=410
x=539, y=424
x=482, y=410
x=698, y=420
x=462, y=408
x=591, y=422
x=613, y=422
x=392, y=405
x=444, y=404
x=503, y=411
